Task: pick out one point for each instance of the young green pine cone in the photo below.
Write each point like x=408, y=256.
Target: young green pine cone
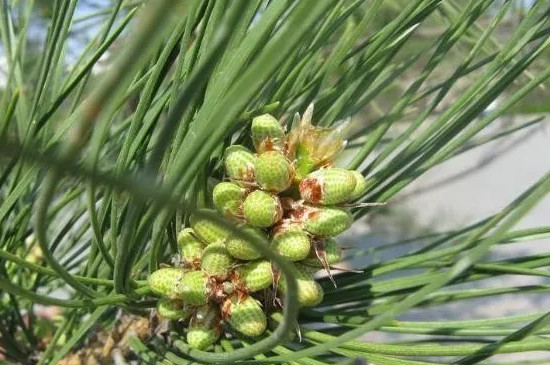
x=267, y=133
x=192, y=287
x=291, y=242
x=328, y=186
x=165, y=281
x=204, y=328
x=241, y=249
x=216, y=261
x=190, y=247
x=256, y=275
x=273, y=171
x=208, y=230
x=228, y=198
x=328, y=248
x=173, y=309
x=326, y=221
x=245, y=315
x=361, y=185
x=310, y=292
x=261, y=209
x=239, y=165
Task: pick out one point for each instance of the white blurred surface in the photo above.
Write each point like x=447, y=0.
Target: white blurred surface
x=513, y=165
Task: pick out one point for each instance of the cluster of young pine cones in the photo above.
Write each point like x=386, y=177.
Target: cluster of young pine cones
x=289, y=194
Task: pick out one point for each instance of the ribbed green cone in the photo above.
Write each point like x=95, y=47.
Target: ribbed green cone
x=256, y=275
x=310, y=292
x=245, y=316
x=332, y=252
x=189, y=246
x=327, y=221
x=267, y=133
x=193, y=288
x=242, y=249
x=239, y=164
x=273, y=171
x=173, y=309
x=228, y=198
x=361, y=185
x=328, y=186
x=204, y=328
x=216, y=261
x=291, y=242
x=262, y=209
x=175, y=283
x=208, y=230
x=165, y=281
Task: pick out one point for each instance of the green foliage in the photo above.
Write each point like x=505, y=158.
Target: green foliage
x=100, y=170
